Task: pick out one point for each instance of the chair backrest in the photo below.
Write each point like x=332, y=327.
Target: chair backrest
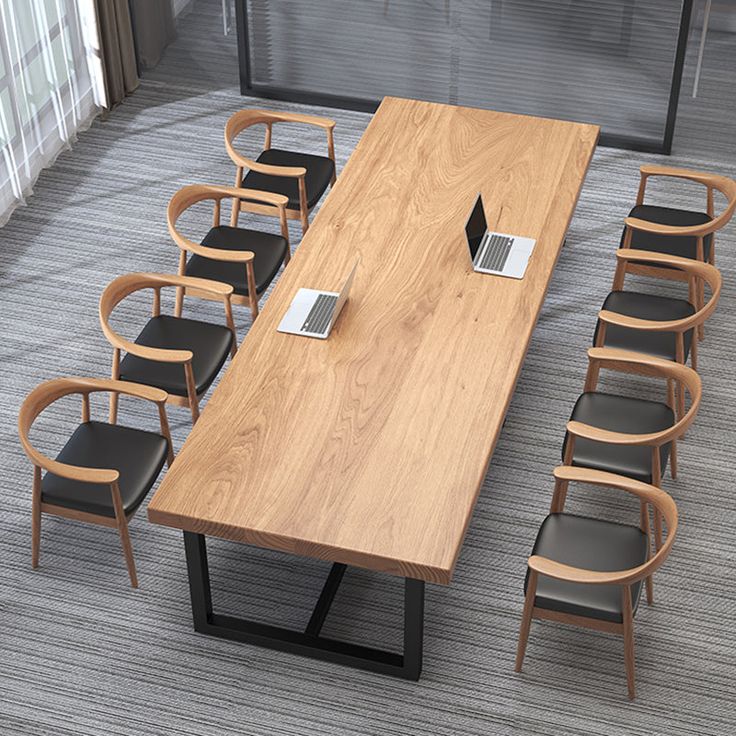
x=628, y=362
x=127, y=284
x=712, y=182
x=695, y=271
x=51, y=391
x=192, y=194
x=647, y=494
x=243, y=119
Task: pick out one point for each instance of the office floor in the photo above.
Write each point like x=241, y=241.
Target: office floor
x=82, y=654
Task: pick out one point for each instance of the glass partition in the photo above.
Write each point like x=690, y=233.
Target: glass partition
x=617, y=63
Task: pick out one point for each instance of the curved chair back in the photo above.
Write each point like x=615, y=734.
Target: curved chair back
x=127, y=284
x=51, y=391
x=192, y=194
x=243, y=119
x=38, y=400
x=697, y=274
x=538, y=565
x=712, y=182
x=647, y=494
x=627, y=362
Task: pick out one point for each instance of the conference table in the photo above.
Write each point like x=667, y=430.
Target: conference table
x=369, y=448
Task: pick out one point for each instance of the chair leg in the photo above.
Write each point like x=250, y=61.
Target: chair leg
x=305, y=223
x=114, y=399
x=657, y=530
x=128, y=551
x=250, y=275
x=628, y=627
x=36, y=517
x=673, y=460
x=114, y=396
x=646, y=527
x=694, y=354
x=179, y=304
x=526, y=619
x=191, y=392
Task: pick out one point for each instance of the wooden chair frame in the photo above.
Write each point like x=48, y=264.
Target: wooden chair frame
x=125, y=285
x=698, y=275
x=191, y=195
x=678, y=377
x=243, y=119
x=648, y=496
x=712, y=183
x=40, y=398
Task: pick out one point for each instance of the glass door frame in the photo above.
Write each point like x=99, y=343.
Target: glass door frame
x=634, y=143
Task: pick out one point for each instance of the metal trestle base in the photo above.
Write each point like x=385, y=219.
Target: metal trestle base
x=307, y=643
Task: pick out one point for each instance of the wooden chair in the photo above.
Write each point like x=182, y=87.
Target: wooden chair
x=629, y=436
x=180, y=356
x=657, y=325
x=301, y=177
x=104, y=471
x=248, y=260
x=588, y=572
x=678, y=232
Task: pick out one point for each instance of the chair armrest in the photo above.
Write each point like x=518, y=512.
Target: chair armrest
x=293, y=172
x=160, y=355
x=257, y=195
x=646, y=325
x=696, y=268
x=214, y=254
x=655, y=228
x=560, y=571
x=589, y=432
x=645, y=364
x=216, y=288
x=75, y=472
x=139, y=390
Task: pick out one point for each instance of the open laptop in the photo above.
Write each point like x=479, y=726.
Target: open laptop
x=312, y=313
x=496, y=253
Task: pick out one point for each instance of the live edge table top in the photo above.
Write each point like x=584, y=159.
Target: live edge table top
x=369, y=448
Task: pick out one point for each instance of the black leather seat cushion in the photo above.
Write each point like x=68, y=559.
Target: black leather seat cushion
x=645, y=306
x=269, y=253
x=591, y=544
x=137, y=455
x=620, y=414
x=209, y=343
x=675, y=245
x=318, y=177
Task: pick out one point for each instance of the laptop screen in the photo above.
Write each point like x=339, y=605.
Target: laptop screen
x=476, y=227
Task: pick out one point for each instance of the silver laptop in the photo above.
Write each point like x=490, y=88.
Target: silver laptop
x=312, y=313
x=497, y=253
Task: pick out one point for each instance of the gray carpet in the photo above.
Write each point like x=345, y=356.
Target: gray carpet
x=82, y=654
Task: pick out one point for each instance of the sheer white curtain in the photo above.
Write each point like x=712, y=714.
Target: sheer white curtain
x=50, y=81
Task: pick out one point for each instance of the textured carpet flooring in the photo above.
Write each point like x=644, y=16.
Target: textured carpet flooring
x=81, y=654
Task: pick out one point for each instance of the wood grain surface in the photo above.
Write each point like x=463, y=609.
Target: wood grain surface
x=369, y=448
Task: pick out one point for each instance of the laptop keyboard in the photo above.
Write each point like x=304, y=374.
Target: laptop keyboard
x=320, y=314
x=496, y=253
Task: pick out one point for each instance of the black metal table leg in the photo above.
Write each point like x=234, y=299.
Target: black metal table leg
x=308, y=643
x=198, y=571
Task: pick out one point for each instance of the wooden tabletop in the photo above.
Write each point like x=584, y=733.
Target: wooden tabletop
x=370, y=448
